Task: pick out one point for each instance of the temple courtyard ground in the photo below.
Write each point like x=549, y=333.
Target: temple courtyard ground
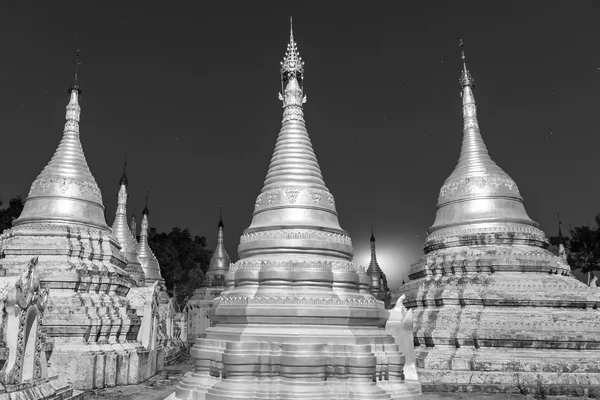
x=161, y=385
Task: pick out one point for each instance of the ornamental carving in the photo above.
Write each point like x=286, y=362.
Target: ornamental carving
x=296, y=196
x=23, y=305
x=525, y=231
x=290, y=234
x=335, y=266
x=478, y=182
x=315, y=195
x=276, y=300
x=75, y=187
x=292, y=193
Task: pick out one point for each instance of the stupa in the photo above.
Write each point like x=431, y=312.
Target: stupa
x=121, y=231
x=296, y=320
x=88, y=317
x=494, y=310
x=214, y=283
x=149, y=262
x=378, y=286
x=172, y=345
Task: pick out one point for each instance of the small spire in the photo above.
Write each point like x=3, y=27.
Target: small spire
x=145, y=211
x=123, y=180
x=403, y=282
x=560, y=236
x=75, y=86
x=221, y=217
x=372, y=234
x=465, y=79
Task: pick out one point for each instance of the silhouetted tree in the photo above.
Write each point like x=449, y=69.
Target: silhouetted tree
x=10, y=213
x=583, y=248
x=183, y=260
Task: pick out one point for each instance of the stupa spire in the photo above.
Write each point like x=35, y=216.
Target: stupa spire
x=294, y=181
x=123, y=234
x=478, y=193
x=65, y=190
x=562, y=253
x=133, y=224
x=123, y=180
x=373, y=264
x=220, y=261
x=147, y=258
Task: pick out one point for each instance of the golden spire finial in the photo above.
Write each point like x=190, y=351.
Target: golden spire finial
x=465, y=79
x=372, y=234
x=75, y=84
x=221, y=217
x=145, y=211
x=560, y=237
x=124, y=180
x=292, y=65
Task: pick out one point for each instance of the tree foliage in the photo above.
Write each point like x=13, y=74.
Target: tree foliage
x=183, y=260
x=11, y=212
x=583, y=248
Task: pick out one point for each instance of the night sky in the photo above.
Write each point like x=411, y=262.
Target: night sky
x=189, y=91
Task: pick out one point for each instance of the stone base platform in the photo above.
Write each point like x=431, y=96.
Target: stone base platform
x=54, y=388
x=107, y=367
x=560, y=372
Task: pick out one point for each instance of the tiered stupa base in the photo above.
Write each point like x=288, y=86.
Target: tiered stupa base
x=89, y=319
x=338, y=356
x=497, y=318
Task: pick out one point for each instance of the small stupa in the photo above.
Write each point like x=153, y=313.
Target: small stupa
x=378, y=286
x=494, y=310
x=297, y=320
x=147, y=258
x=88, y=318
x=123, y=234
x=173, y=346
x=213, y=284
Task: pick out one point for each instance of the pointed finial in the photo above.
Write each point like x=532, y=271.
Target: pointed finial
x=465, y=79
x=560, y=237
x=403, y=282
x=372, y=234
x=145, y=210
x=292, y=65
x=75, y=84
x=221, y=225
x=123, y=180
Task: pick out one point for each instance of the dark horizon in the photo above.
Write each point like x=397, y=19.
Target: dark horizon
x=190, y=94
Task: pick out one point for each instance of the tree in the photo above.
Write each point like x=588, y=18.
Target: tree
x=583, y=248
x=183, y=260
x=10, y=213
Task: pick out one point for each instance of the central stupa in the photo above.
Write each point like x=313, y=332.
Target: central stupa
x=296, y=320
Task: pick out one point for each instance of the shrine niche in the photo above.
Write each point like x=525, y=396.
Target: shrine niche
x=24, y=351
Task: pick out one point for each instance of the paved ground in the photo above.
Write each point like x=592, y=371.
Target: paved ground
x=156, y=388
x=163, y=384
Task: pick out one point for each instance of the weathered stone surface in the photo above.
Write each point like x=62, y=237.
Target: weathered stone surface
x=24, y=357
x=491, y=304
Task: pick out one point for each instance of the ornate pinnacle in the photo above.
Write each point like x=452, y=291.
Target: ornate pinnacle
x=292, y=65
x=123, y=180
x=221, y=225
x=75, y=84
x=145, y=211
x=465, y=79
x=560, y=236
x=372, y=234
